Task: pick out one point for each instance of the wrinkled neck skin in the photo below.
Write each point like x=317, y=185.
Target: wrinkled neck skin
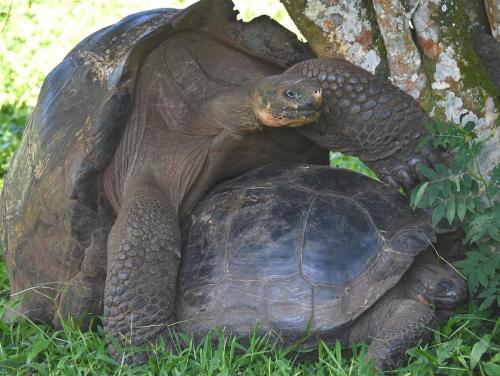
x=233, y=110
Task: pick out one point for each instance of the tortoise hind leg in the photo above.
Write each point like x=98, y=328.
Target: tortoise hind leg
x=143, y=261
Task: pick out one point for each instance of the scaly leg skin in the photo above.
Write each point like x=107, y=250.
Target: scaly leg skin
x=143, y=261
x=405, y=323
x=369, y=118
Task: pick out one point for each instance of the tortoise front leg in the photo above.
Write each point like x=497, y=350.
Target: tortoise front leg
x=369, y=118
x=143, y=261
x=391, y=327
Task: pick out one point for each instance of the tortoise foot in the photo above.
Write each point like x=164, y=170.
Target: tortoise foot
x=406, y=174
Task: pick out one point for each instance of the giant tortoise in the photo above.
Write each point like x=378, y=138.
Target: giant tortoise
x=311, y=252
x=140, y=120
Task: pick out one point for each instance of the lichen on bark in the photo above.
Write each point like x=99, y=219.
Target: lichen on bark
x=462, y=90
x=459, y=75
x=340, y=29
x=402, y=54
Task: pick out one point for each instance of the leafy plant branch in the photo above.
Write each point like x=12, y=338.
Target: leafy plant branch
x=461, y=194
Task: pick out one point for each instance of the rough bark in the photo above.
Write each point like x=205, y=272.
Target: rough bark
x=344, y=29
x=477, y=17
x=404, y=58
x=427, y=45
x=493, y=12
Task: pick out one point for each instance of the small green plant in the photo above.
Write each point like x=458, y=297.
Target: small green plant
x=466, y=345
x=460, y=192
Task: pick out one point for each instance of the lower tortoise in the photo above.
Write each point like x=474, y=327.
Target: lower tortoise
x=310, y=249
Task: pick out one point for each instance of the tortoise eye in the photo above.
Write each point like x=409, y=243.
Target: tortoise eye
x=293, y=94
x=445, y=286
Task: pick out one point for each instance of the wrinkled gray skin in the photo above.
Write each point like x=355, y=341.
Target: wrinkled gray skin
x=140, y=120
x=313, y=253
x=406, y=313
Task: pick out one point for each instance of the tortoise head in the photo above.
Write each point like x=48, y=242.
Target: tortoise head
x=281, y=101
x=436, y=284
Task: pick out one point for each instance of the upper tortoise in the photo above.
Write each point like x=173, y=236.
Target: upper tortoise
x=141, y=119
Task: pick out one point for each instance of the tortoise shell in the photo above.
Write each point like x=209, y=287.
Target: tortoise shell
x=294, y=247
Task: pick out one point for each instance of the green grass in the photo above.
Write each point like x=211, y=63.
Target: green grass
x=466, y=345
x=35, y=36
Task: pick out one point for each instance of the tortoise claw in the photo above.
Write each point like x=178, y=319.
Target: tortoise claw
x=414, y=162
x=428, y=156
x=435, y=157
x=404, y=176
x=391, y=181
x=406, y=173
x=426, y=150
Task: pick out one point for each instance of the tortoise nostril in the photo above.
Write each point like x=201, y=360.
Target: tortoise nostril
x=317, y=98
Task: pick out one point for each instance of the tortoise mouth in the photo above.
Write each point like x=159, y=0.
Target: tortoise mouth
x=289, y=118
x=445, y=302
x=448, y=301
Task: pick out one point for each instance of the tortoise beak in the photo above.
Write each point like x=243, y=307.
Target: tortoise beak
x=312, y=103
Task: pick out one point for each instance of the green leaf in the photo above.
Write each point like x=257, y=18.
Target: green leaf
x=461, y=210
x=38, y=347
x=478, y=350
x=446, y=188
x=455, y=167
x=446, y=349
x=471, y=203
x=424, y=141
x=494, y=232
x=420, y=192
x=469, y=127
x=487, y=303
x=483, y=279
x=428, y=172
x=433, y=194
x=427, y=355
x=429, y=127
x=474, y=188
x=496, y=357
x=437, y=214
x=450, y=210
x=441, y=169
x=491, y=369
x=466, y=182
x=456, y=180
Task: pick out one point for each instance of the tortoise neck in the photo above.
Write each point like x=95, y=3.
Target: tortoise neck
x=233, y=110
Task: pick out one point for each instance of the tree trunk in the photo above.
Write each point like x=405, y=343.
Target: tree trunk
x=425, y=47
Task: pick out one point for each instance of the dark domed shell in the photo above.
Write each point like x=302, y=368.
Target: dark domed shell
x=294, y=246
